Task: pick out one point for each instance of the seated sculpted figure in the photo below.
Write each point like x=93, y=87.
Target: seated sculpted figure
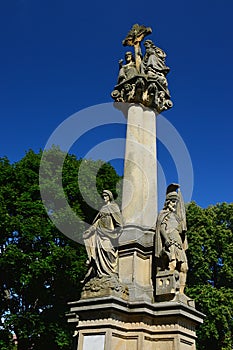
x=170, y=238
x=128, y=70
x=153, y=64
x=101, y=240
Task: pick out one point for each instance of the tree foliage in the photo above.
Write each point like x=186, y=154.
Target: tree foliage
x=40, y=268
x=210, y=277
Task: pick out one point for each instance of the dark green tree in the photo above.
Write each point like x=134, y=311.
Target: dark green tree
x=41, y=268
x=210, y=276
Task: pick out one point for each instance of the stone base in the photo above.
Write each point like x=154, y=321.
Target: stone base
x=113, y=324
x=135, y=261
x=168, y=286
x=103, y=287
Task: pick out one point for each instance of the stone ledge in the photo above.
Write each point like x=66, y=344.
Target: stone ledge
x=134, y=310
x=132, y=235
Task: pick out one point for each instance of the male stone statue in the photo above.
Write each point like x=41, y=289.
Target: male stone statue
x=170, y=237
x=128, y=70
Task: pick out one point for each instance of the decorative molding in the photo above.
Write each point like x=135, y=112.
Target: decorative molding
x=138, y=326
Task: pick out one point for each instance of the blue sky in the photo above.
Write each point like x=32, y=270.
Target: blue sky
x=59, y=57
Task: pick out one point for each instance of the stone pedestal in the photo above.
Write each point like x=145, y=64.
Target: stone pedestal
x=167, y=285
x=135, y=262
x=113, y=324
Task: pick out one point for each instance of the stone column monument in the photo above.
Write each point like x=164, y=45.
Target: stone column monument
x=133, y=293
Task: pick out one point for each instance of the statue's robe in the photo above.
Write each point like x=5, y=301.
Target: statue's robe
x=171, y=224
x=101, y=240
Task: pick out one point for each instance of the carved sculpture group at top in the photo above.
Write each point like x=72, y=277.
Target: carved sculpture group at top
x=142, y=79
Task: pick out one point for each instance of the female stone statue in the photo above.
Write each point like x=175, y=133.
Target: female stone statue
x=101, y=240
x=153, y=62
